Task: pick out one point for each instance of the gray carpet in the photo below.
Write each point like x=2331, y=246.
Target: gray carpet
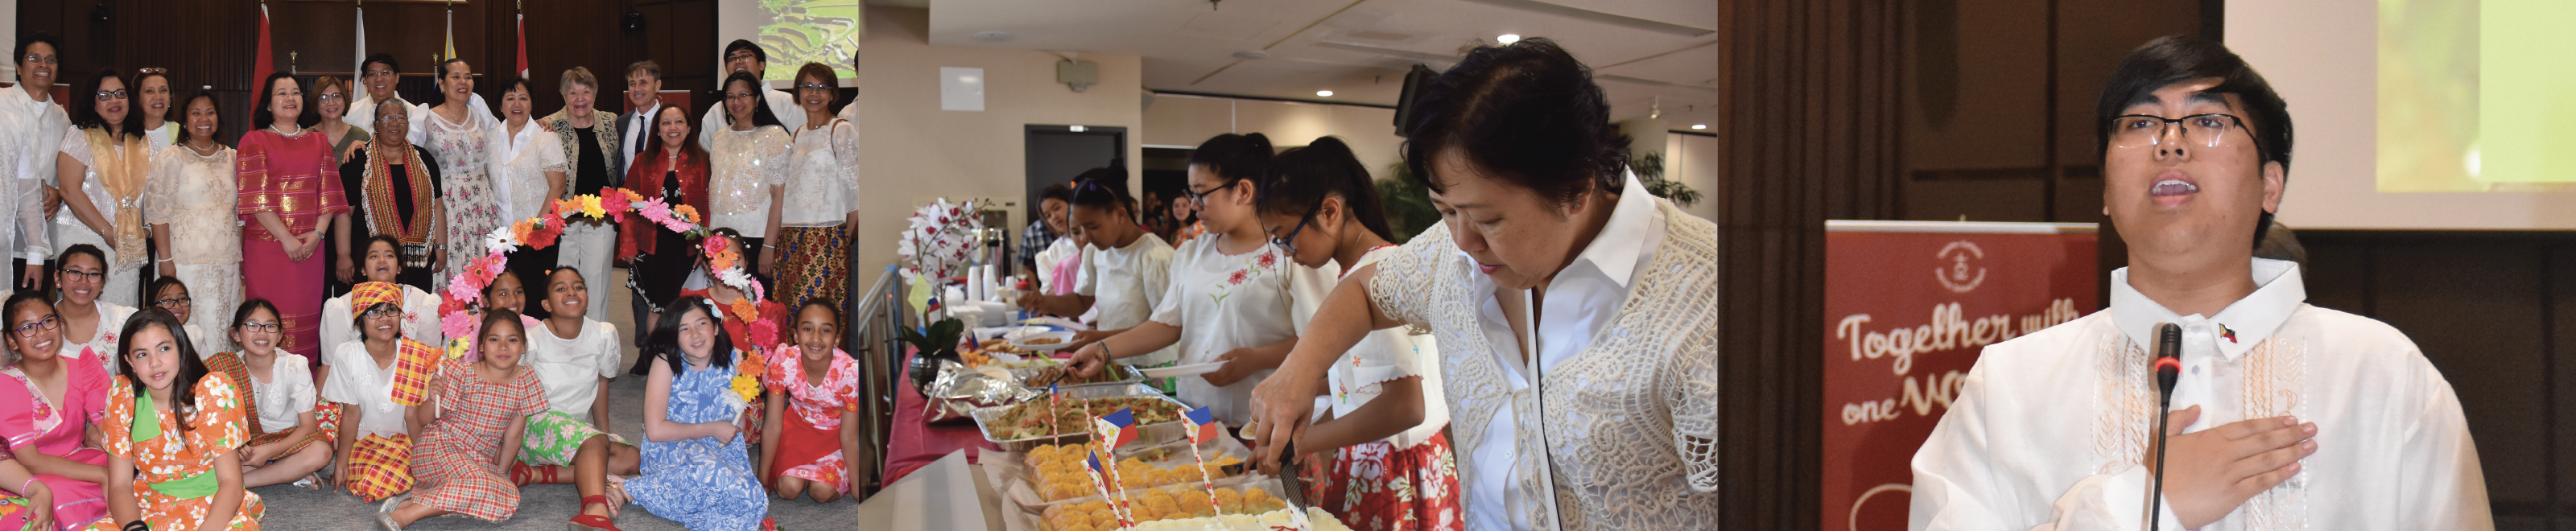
x=548, y=507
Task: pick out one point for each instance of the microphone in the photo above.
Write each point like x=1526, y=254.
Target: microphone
x=2168, y=367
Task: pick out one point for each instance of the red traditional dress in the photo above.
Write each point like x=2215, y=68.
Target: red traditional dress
x=174, y=480
x=296, y=178
x=809, y=442
x=455, y=462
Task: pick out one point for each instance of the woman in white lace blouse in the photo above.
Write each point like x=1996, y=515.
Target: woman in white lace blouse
x=749, y=180
x=1550, y=265
x=820, y=221
x=528, y=165
x=191, y=199
x=101, y=168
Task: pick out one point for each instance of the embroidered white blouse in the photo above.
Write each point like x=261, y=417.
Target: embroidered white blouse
x=1630, y=373
x=357, y=381
x=1385, y=356
x=286, y=394
x=102, y=340
x=822, y=177
x=195, y=195
x=1223, y=302
x=519, y=167
x=2048, y=429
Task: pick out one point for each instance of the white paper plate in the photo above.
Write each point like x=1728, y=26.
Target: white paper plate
x=1183, y=370
x=1061, y=339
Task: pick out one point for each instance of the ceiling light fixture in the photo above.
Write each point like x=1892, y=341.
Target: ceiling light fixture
x=1324, y=93
x=1699, y=126
x=1075, y=128
x=1508, y=38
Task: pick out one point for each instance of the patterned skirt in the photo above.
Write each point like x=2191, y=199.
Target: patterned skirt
x=161, y=511
x=380, y=467
x=554, y=438
x=454, y=477
x=813, y=262
x=1377, y=487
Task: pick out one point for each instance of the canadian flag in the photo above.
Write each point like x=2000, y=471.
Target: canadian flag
x=523, y=41
x=262, y=65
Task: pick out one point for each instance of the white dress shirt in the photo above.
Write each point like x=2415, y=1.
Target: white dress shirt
x=2048, y=430
x=1583, y=297
x=1125, y=285
x=519, y=166
x=780, y=103
x=36, y=125
x=638, y=131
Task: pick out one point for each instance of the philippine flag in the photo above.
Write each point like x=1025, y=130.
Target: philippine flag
x=1114, y=428
x=1202, y=425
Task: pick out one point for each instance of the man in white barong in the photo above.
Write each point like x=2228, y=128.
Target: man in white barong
x=2286, y=416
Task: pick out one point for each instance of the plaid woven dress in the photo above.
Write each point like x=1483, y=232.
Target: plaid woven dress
x=454, y=463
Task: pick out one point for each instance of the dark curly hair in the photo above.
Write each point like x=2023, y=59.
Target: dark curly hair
x=1527, y=114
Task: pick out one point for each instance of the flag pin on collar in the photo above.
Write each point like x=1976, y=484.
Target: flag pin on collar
x=2225, y=333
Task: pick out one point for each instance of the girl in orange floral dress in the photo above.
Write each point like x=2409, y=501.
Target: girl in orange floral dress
x=171, y=431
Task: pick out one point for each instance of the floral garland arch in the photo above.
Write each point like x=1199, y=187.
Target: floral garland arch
x=461, y=301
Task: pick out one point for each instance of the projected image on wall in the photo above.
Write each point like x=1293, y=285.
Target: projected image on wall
x=795, y=32
x=2474, y=96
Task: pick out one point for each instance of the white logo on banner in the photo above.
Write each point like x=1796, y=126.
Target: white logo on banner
x=1956, y=277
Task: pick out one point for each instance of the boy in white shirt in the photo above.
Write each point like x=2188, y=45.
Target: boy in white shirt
x=2286, y=416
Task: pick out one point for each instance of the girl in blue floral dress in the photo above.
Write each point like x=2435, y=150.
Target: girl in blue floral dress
x=697, y=470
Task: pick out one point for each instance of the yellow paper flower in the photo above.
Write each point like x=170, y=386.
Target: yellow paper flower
x=456, y=348
x=590, y=207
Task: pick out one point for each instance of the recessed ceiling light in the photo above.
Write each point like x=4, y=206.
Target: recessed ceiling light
x=993, y=35
x=1075, y=128
x=1508, y=38
x=1324, y=93
x=1699, y=126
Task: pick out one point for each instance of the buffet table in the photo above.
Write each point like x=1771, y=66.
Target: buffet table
x=912, y=444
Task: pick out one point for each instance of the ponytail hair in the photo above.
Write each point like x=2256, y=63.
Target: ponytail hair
x=1299, y=179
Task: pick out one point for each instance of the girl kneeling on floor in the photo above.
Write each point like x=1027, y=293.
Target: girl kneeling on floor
x=813, y=400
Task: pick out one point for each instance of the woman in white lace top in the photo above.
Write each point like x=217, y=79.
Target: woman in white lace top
x=527, y=163
x=820, y=220
x=750, y=174
x=1550, y=266
x=192, y=200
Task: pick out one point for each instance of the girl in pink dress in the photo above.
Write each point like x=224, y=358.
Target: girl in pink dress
x=49, y=411
x=813, y=407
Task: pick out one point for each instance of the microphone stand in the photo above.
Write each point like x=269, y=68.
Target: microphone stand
x=2168, y=366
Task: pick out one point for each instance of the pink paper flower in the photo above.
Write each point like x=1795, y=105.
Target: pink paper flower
x=458, y=324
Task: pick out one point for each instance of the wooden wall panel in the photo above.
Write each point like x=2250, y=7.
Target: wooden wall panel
x=1812, y=133
x=2495, y=311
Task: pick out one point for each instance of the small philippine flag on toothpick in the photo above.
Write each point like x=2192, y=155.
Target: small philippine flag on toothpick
x=1202, y=425
x=1114, y=428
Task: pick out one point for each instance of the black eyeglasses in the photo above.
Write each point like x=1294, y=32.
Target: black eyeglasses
x=1199, y=199
x=1289, y=242
x=117, y=94
x=92, y=276
x=180, y=301
x=29, y=329
x=262, y=327
x=383, y=312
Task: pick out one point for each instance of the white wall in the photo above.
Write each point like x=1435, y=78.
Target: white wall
x=1692, y=160
x=1186, y=121
x=2321, y=56
x=915, y=153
